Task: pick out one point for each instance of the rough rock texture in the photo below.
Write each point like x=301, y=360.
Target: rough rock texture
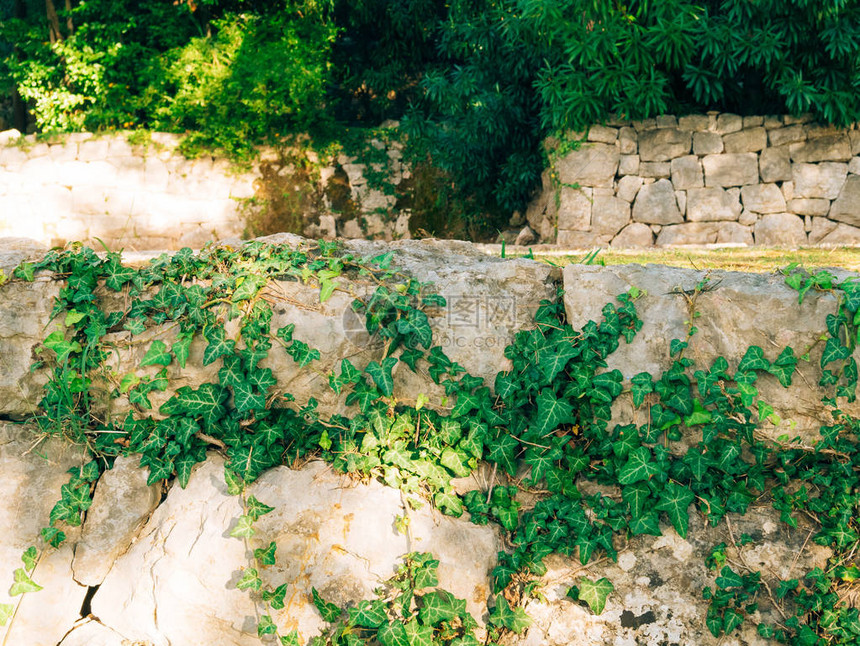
x=780, y=229
x=332, y=534
x=31, y=474
x=656, y=204
x=727, y=169
x=489, y=299
x=846, y=207
x=80, y=187
x=590, y=165
x=658, y=581
x=740, y=169
x=121, y=504
x=737, y=310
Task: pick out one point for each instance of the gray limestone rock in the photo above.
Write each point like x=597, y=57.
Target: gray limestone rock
x=787, y=135
x=635, y=234
x=763, y=198
x=121, y=504
x=775, y=164
x=656, y=204
x=663, y=144
x=846, y=207
x=711, y=204
x=780, y=229
x=737, y=311
x=593, y=164
x=830, y=148
x=33, y=468
x=809, y=206
x=703, y=233
x=707, y=143
x=609, y=214
x=687, y=173
x=574, y=208
x=746, y=141
x=332, y=534
x=824, y=180
x=726, y=170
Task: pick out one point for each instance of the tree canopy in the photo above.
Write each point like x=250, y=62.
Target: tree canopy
x=477, y=85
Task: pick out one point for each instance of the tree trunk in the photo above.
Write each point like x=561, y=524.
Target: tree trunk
x=70, y=27
x=54, y=34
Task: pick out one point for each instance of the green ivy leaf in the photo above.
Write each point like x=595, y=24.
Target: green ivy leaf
x=393, y=634
x=207, y=402
x=266, y=626
x=729, y=579
x=250, y=580
x=552, y=413
x=674, y=500
x=753, y=360
x=636, y=495
x=181, y=348
x=219, y=345
x=419, y=635
x=29, y=558
x=329, y=611
x=595, y=593
x=7, y=610
x=640, y=386
x=503, y=452
x=275, y=598
x=638, y=467
x=449, y=502
x=244, y=527
x=247, y=399
x=184, y=464
x=157, y=355
x=503, y=616
x=381, y=375
x=647, y=523
x=266, y=556
x=368, y=614
x=257, y=508
x=23, y=584
x=247, y=287
x=834, y=351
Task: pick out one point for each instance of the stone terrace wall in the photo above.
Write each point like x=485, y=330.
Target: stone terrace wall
x=704, y=179
x=140, y=197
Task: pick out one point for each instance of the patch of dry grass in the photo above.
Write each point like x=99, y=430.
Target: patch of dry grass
x=751, y=259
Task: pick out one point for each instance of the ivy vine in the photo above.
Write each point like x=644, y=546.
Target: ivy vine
x=544, y=427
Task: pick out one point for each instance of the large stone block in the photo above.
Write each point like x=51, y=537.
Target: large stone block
x=737, y=311
x=33, y=471
x=824, y=180
x=694, y=122
x=809, y=206
x=628, y=187
x=664, y=144
x=728, y=123
x=726, y=170
x=833, y=148
x=780, y=229
x=841, y=234
x=707, y=143
x=788, y=135
x=121, y=504
x=702, y=233
x=655, y=169
x=609, y=214
x=745, y=141
x=711, y=204
x=763, y=198
x=574, y=208
x=635, y=234
x=628, y=141
x=846, y=207
x=775, y=164
x=687, y=173
x=592, y=164
x=602, y=134
x=331, y=534
x=655, y=204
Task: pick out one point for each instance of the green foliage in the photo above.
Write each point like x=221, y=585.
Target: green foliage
x=548, y=417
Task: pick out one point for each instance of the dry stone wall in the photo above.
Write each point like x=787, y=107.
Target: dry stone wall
x=157, y=567
x=148, y=195
x=704, y=179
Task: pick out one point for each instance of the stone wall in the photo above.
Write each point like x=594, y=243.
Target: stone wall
x=704, y=179
x=147, y=568
x=147, y=195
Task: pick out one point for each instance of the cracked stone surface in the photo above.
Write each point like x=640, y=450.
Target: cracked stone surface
x=737, y=310
x=31, y=474
x=332, y=534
